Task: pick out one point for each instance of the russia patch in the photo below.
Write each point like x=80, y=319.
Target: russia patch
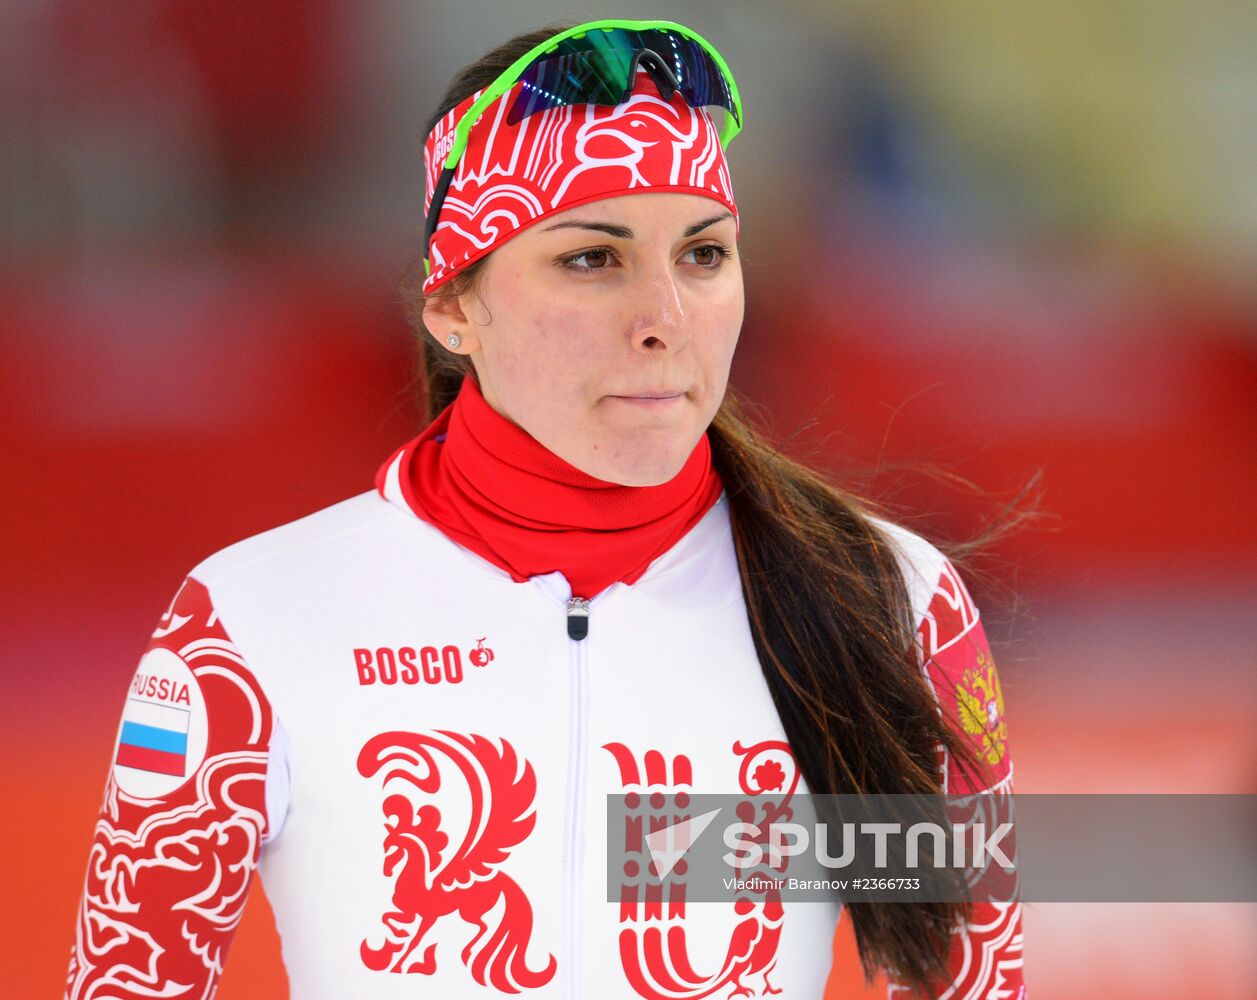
x=164, y=731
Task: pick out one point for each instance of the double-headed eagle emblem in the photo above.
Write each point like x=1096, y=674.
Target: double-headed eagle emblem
x=981, y=706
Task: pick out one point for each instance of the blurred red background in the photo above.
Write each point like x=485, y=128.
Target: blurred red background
x=1001, y=245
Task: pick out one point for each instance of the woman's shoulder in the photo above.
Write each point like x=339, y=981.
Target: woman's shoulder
x=924, y=567
x=957, y=660
x=317, y=538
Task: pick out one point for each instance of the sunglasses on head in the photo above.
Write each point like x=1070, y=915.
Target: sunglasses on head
x=597, y=63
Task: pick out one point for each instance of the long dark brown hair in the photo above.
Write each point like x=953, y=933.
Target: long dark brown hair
x=828, y=608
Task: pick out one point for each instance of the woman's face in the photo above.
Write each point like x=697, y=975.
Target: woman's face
x=607, y=331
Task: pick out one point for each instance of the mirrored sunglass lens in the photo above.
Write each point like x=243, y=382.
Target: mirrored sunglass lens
x=572, y=78
x=702, y=82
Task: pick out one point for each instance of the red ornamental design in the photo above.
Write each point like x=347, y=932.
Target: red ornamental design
x=955, y=651
x=168, y=877
x=770, y=776
x=510, y=176
x=985, y=961
x=434, y=876
x=653, y=950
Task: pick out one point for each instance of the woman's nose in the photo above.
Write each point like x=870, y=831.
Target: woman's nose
x=660, y=319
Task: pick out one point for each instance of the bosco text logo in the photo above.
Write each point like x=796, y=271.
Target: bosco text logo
x=423, y=665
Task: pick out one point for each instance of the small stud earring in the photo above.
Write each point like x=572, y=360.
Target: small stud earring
x=453, y=340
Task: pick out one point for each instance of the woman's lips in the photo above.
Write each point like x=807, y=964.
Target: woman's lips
x=652, y=401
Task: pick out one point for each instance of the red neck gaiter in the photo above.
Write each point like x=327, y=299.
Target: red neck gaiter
x=493, y=488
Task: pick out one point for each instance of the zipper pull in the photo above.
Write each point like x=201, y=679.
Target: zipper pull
x=577, y=618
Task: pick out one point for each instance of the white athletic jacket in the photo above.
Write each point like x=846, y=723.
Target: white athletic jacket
x=416, y=752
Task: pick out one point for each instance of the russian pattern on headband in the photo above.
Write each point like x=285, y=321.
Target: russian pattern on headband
x=513, y=175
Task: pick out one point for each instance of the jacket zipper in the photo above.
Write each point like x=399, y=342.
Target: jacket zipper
x=574, y=846
x=577, y=618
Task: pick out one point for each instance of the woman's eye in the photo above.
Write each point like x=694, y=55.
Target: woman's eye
x=710, y=255
x=594, y=260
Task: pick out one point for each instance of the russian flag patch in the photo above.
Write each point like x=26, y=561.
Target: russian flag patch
x=154, y=738
x=165, y=728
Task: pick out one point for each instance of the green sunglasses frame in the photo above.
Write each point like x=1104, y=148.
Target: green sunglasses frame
x=732, y=125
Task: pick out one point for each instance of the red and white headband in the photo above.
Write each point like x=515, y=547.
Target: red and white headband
x=511, y=176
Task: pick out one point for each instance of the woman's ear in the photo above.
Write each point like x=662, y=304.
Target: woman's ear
x=444, y=317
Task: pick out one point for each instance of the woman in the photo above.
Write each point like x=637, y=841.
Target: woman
x=587, y=577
